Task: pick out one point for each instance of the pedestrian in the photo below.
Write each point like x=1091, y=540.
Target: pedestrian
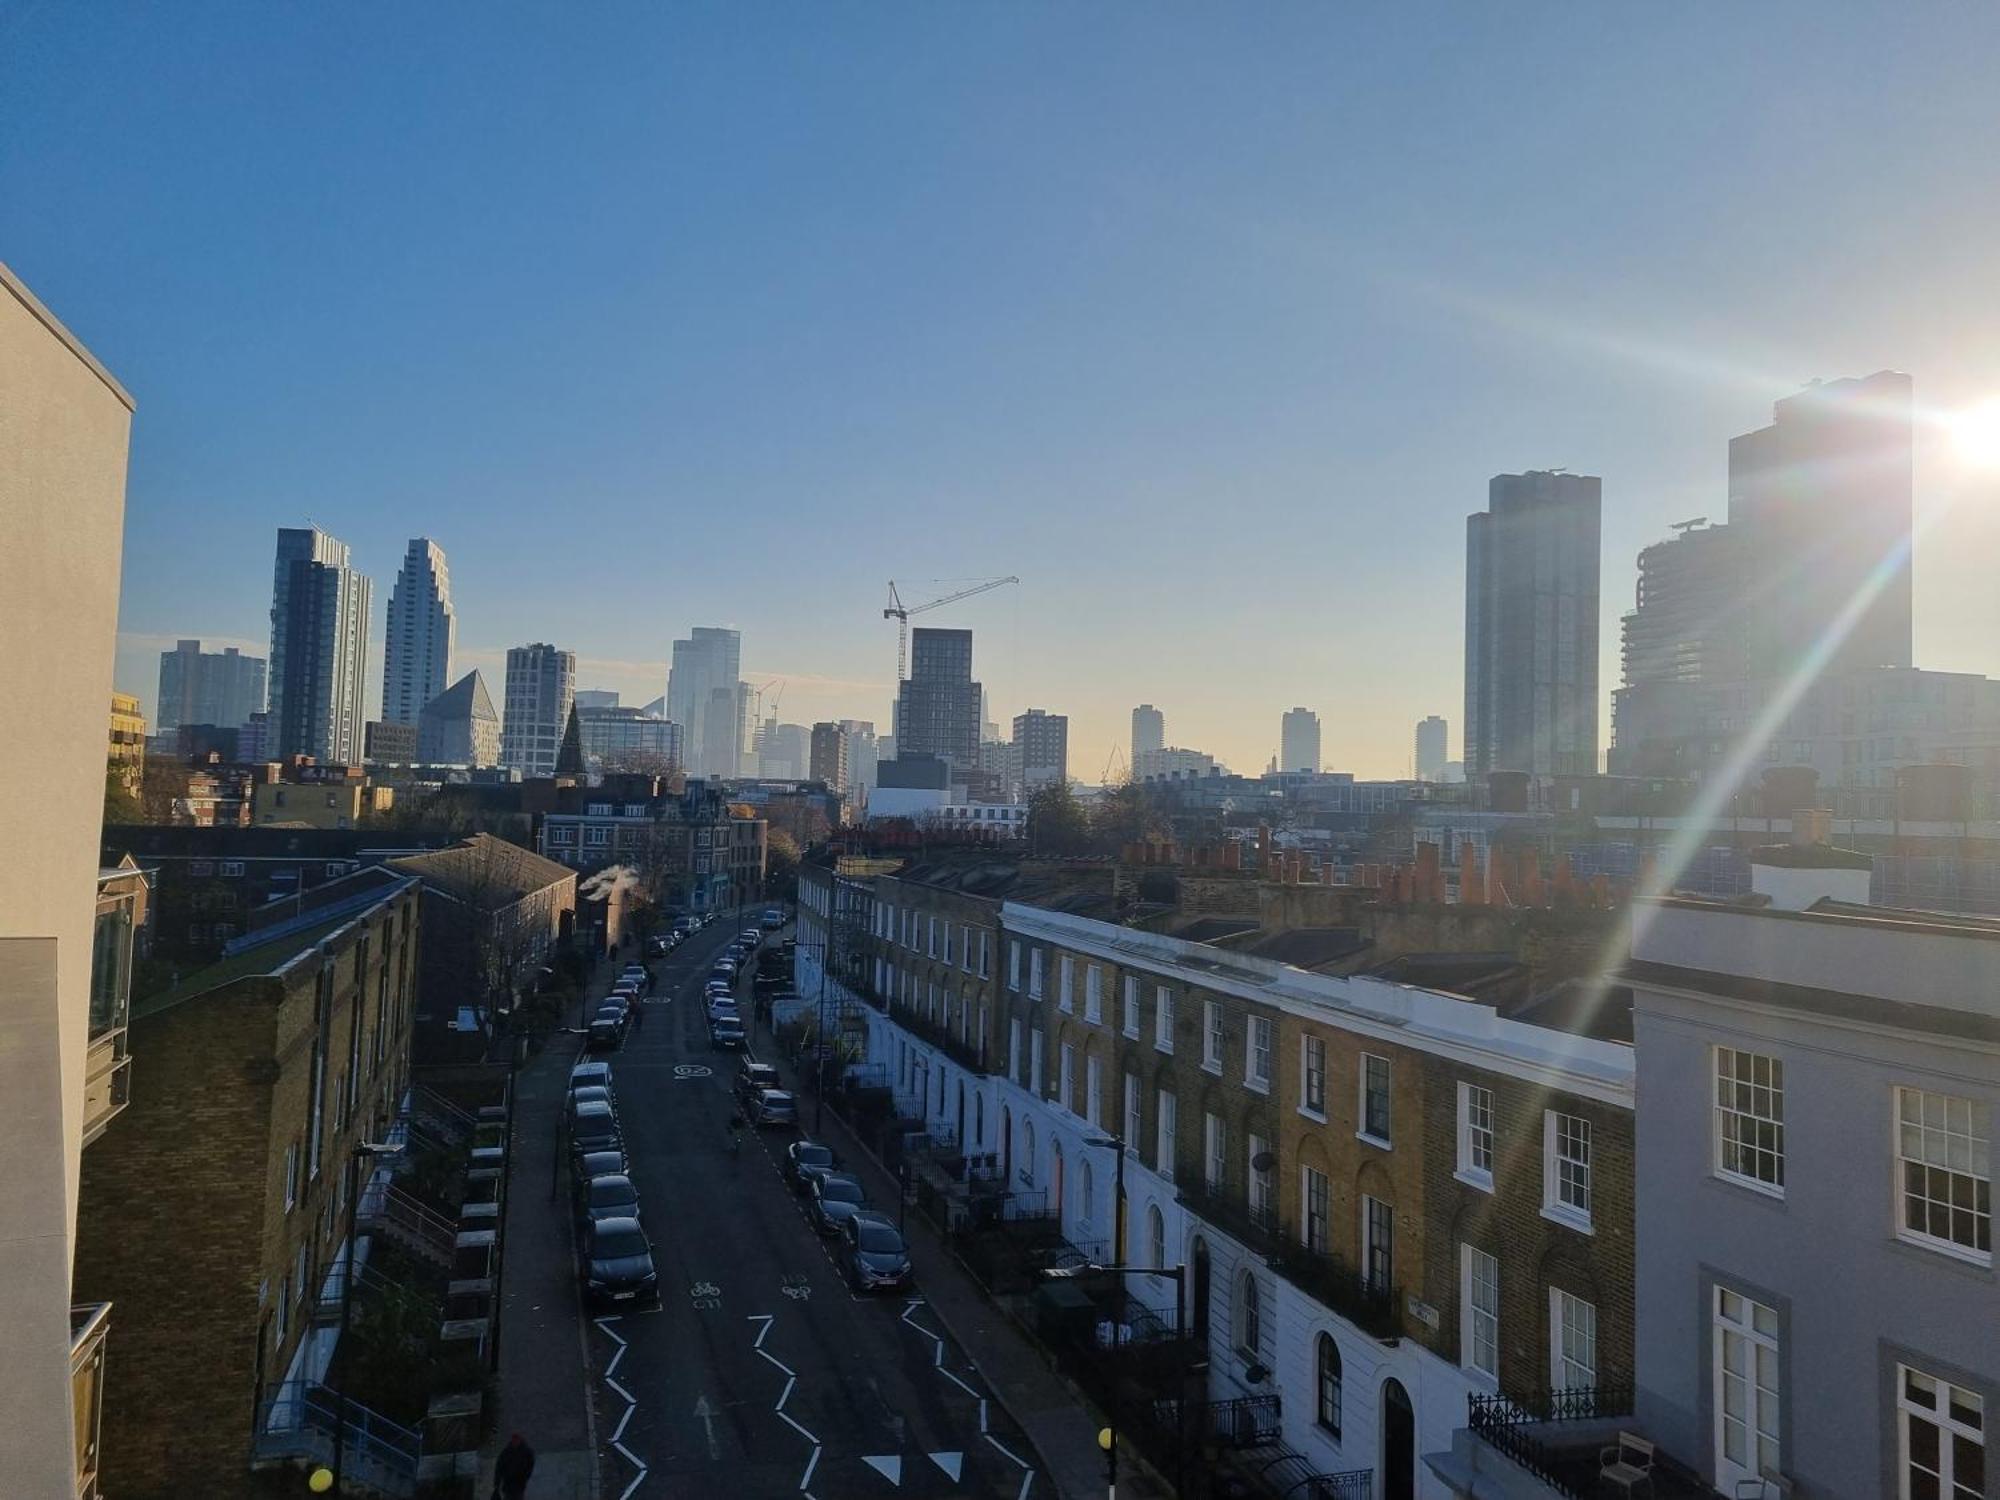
x=512, y=1468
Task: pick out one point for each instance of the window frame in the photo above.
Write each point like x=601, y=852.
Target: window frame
x=1473, y=1318
x=1163, y=1019
x=1093, y=1089
x=1066, y=1075
x=1722, y=1114
x=1093, y=994
x=1312, y=1079
x=1214, y=1152
x=1035, y=977
x=1014, y=965
x=1135, y=1113
x=1949, y=1428
x=1366, y=1096
x=1129, y=1019
x=1976, y=1142
x=1378, y=1239
x=1555, y=1206
x=1327, y=1381
x=1212, y=1041
x=1559, y=1356
x=1166, y=1122
x=1259, y=1042
x=1066, y=983
x=1469, y=1172
x=1315, y=1210
x=1248, y=1332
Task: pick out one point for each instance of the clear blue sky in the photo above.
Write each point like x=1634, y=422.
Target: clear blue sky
x=1210, y=322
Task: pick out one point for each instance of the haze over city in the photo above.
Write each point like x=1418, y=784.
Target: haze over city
x=1210, y=326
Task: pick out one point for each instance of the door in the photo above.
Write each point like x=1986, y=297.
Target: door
x=1745, y=1389
x=1198, y=1295
x=1399, y=1443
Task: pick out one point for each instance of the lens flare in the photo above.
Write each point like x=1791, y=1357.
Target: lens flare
x=1975, y=435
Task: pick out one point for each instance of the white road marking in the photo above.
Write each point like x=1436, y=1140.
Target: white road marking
x=620, y=1390
x=790, y=1381
x=1006, y=1450
x=777, y=1361
x=629, y=1454
x=605, y=1323
x=617, y=1355
x=765, y=1319
x=888, y=1465
x=619, y=1431
x=786, y=1418
x=637, y=1480
x=707, y=1414
x=1026, y=1480
x=960, y=1384
x=811, y=1464
x=951, y=1463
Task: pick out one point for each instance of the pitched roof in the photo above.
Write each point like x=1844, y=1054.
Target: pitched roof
x=569, y=758
x=485, y=869
x=466, y=698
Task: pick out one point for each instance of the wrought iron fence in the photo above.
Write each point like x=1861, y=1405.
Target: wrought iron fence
x=1508, y=1424
x=1369, y=1304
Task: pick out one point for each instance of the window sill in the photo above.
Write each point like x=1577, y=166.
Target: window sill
x=1749, y=1185
x=1213, y=1069
x=1131, y=1035
x=1481, y=1180
x=1318, y=1117
x=1257, y=1085
x=1569, y=1218
x=1977, y=1260
x=1380, y=1143
x=1164, y=1051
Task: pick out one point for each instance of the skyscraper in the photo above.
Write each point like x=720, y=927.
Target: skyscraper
x=1041, y=750
x=320, y=610
x=416, y=653
x=1531, y=577
x=541, y=689
x=208, y=687
x=1149, y=734
x=862, y=751
x=1298, y=741
x=706, y=663
x=937, y=708
x=1433, y=748
x=459, y=727
x=829, y=755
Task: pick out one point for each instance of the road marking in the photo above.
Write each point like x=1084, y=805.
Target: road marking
x=619, y=1431
x=605, y=1323
x=811, y=1464
x=889, y=1466
x=1006, y=1450
x=960, y=1384
x=692, y=1070
x=637, y=1480
x=982, y=1414
x=707, y=1414
x=704, y=1289
x=621, y=1391
x=786, y=1417
x=951, y=1463
x=777, y=1361
x=765, y=1319
x=1026, y=1480
x=790, y=1381
x=612, y=1368
x=629, y=1454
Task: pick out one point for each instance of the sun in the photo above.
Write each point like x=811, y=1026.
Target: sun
x=1975, y=434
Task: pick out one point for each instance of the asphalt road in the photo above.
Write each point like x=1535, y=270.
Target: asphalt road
x=761, y=1373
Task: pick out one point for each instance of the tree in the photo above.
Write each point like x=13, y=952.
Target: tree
x=1057, y=824
x=121, y=804
x=781, y=863
x=162, y=790
x=1124, y=815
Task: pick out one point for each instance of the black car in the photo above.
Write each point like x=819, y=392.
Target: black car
x=727, y=1034
x=611, y=1196
x=588, y=1074
x=595, y=1128
x=592, y=1093
x=615, y=1012
x=755, y=1077
x=807, y=1161
x=618, y=1264
x=834, y=1196
x=605, y=1036
x=609, y=1163
x=872, y=1253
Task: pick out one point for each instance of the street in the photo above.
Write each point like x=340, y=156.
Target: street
x=761, y=1373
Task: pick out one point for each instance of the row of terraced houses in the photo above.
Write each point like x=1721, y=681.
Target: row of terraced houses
x=1414, y=1242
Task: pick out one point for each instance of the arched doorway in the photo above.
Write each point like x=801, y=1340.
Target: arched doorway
x=1399, y=1443
x=1198, y=1292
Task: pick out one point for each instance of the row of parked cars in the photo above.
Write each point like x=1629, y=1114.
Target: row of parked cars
x=872, y=1254
x=615, y=1012
x=616, y=1257
x=725, y=1020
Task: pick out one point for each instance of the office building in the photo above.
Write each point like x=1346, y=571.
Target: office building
x=1173, y=763
x=702, y=698
x=863, y=752
x=1432, y=749
x=208, y=687
x=1531, y=587
x=783, y=751
x=829, y=756
x=1149, y=733
x=459, y=727
x=416, y=653
x=937, y=705
x=319, y=647
x=627, y=739
x=1040, y=752
x=603, y=698
x=391, y=744
x=541, y=685
x=127, y=742
x=64, y=427
x=1299, y=741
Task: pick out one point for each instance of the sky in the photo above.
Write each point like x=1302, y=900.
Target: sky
x=1209, y=322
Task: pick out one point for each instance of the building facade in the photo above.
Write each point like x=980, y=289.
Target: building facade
x=829, y=756
x=320, y=611
x=694, y=849
x=938, y=704
x=127, y=739
x=416, y=648
x=1149, y=733
x=1299, y=741
x=541, y=686
x=1432, y=749
x=460, y=727
x=64, y=428
x=628, y=739
x=208, y=687
x=709, y=662
x=1040, y=751
x=1531, y=591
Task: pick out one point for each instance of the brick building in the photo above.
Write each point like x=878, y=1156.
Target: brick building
x=212, y=1216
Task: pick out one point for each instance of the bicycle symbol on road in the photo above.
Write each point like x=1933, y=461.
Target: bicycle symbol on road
x=796, y=1288
x=691, y=1070
x=705, y=1295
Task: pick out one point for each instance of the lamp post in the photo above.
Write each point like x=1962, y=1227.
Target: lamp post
x=361, y=1149
x=1178, y=1276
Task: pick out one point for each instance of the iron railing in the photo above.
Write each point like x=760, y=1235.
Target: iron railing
x=1291, y=1476
x=968, y=1052
x=384, y=1207
x=297, y=1419
x=1246, y=1422
x=1507, y=1424
x=1253, y=1223
x=1369, y=1304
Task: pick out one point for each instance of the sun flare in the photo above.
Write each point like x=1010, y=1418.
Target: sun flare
x=1975, y=434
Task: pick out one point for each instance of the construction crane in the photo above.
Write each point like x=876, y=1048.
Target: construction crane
x=900, y=613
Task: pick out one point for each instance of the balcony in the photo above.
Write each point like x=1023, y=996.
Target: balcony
x=1554, y=1443
x=88, y=1326
x=969, y=1055
x=1369, y=1305
x=1255, y=1224
x=107, y=1082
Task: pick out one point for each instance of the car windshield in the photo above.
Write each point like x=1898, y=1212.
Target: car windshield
x=833, y=1190
x=607, y=1192
x=879, y=1239
x=619, y=1244
x=814, y=1156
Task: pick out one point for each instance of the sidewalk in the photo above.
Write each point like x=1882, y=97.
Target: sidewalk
x=543, y=1386
x=1060, y=1424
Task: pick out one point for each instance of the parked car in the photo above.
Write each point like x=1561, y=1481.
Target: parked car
x=609, y=1197
x=594, y=1127
x=661, y=946
x=724, y=969
x=586, y=1074
x=755, y=1076
x=773, y=919
x=594, y=1093
x=637, y=974
x=750, y=937
x=807, y=1161
x=601, y=1164
x=727, y=1034
x=872, y=1252
x=834, y=1196
x=723, y=1005
x=618, y=1264
x=774, y=1109
x=684, y=926
x=614, y=1011
x=604, y=1036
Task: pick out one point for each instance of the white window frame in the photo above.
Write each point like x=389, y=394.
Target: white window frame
x=1093, y=1089
x=291, y=1176
x=1261, y=1187
x=1569, y=1313
x=1315, y=1210
x=1066, y=1075
x=1748, y=1119
x=1559, y=1188
x=1947, y=1395
x=1368, y=1203
x=1757, y=1400
x=1309, y=1046
x=1475, y=1101
x=1258, y=1039
x=1034, y=973
x=1953, y=1141
x=1211, y=1035
x=1093, y=994
x=1163, y=1135
x=1135, y=1119
x=1131, y=1002
x=1479, y=1322
x=1214, y=1152
x=985, y=954
x=1014, y=965
x=1384, y=1136
x=1163, y=1019
x=1014, y=1048
x=931, y=943
x=1035, y=1061
x=1066, y=983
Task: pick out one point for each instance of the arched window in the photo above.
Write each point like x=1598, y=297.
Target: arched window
x=1089, y=1193
x=1250, y=1321
x=1028, y=1152
x=1328, y=1364
x=1156, y=1235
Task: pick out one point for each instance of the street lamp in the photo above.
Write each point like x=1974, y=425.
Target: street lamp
x=361, y=1149
x=1178, y=1276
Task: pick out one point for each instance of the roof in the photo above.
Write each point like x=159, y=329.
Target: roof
x=466, y=698
x=487, y=869
x=263, y=958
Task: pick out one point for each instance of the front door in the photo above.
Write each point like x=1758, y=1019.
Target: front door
x=1746, y=1389
x=1399, y=1443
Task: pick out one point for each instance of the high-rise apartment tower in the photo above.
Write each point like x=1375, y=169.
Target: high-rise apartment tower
x=416, y=653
